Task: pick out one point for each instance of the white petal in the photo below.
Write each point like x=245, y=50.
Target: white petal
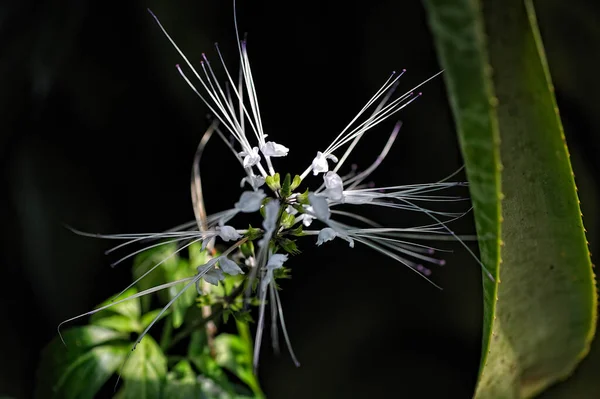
x=254, y=181
x=320, y=206
x=307, y=219
x=320, y=164
x=207, y=242
x=335, y=186
x=213, y=276
x=272, y=149
x=207, y=271
x=291, y=210
x=271, y=213
x=205, y=267
x=229, y=266
x=276, y=261
x=250, y=261
x=250, y=201
x=250, y=158
x=228, y=233
x=327, y=234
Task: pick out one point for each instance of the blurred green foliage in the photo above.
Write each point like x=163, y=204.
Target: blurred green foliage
x=219, y=367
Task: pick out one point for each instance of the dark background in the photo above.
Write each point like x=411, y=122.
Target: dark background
x=98, y=130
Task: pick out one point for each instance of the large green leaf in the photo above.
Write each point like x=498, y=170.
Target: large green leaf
x=144, y=371
x=540, y=312
x=91, y=356
x=128, y=309
x=182, y=383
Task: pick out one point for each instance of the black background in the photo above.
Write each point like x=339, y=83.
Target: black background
x=98, y=130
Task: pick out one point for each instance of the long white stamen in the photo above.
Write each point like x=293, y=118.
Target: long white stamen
x=285, y=333
x=357, y=139
x=388, y=83
x=139, y=294
x=353, y=182
x=157, y=265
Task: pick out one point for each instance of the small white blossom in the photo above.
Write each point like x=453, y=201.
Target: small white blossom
x=209, y=274
x=213, y=276
x=270, y=222
x=320, y=164
x=328, y=234
x=254, y=181
x=250, y=261
x=272, y=149
x=291, y=210
x=250, y=201
x=276, y=261
x=271, y=213
x=307, y=218
x=228, y=233
x=251, y=158
x=335, y=187
x=229, y=266
x=319, y=206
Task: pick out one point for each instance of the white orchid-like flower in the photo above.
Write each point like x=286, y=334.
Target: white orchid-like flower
x=287, y=213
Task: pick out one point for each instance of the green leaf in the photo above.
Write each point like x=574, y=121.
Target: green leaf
x=181, y=305
x=119, y=323
x=144, y=371
x=288, y=245
x=92, y=354
x=182, y=383
x=146, y=261
x=296, y=182
x=273, y=182
x=197, y=256
x=286, y=187
x=200, y=356
x=150, y=316
x=539, y=321
x=128, y=309
x=235, y=355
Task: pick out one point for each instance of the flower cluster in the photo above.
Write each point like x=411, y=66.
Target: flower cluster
x=289, y=214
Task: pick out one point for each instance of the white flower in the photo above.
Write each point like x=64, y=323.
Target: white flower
x=328, y=234
x=291, y=210
x=228, y=233
x=208, y=272
x=335, y=187
x=270, y=222
x=213, y=276
x=251, y=157
x=250, y=201
x=250, y=261
x=320, y=164
x=272, y=149
x=308, y=218
x=229, y=266
x=276, y=261
x=271, y=213
x=319, y=206
x=235, y=107
x=254, y=181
